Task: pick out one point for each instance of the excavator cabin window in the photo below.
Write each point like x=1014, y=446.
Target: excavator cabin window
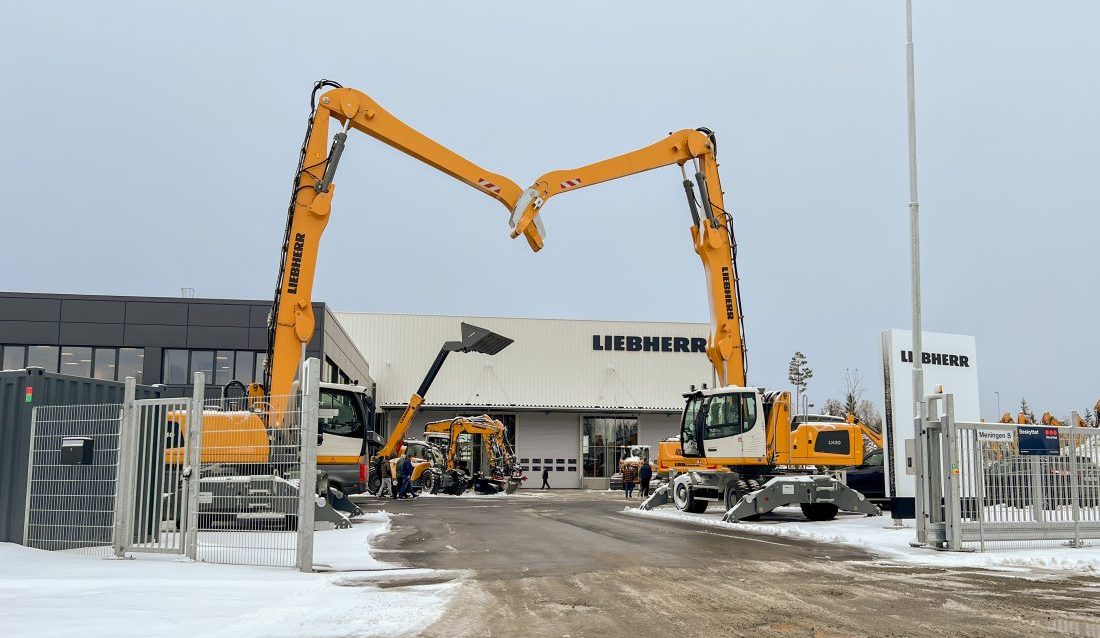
x=344, y=416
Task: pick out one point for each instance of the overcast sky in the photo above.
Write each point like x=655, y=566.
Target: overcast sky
x=151, y=146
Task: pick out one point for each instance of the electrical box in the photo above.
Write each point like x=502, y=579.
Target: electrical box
x=77, y=450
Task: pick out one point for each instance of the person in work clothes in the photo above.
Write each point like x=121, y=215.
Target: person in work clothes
x=645, y=475
x=630, y=475
x=406, y=477
x=545, y=478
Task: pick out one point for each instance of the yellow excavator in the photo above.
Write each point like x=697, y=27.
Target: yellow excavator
x=503, y=474
x=425, y=476
x=347, y=410
x=736, y=444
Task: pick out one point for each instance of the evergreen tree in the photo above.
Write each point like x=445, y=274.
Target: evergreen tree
x=1026, y=410
x=799, y=374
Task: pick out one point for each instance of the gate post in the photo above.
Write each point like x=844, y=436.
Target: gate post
x=192, y=469
x=920, y=456
x=1074, y=486
x=122, y=525
x=307, y=476
x=952, y=495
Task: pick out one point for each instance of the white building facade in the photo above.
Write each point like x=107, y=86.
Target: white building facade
x=574, y=394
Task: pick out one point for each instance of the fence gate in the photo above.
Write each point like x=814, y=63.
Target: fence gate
x=215, y=480
x=980, y=483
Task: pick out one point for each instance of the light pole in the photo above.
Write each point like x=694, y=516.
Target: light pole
x=998, y=415
x=914, y=213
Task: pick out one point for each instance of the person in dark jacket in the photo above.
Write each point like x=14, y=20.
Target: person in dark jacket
x=645, y=475
x=406, y=469
x=545, y=478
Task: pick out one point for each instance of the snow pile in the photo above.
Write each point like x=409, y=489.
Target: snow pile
x=876, y=535
x=65, y=594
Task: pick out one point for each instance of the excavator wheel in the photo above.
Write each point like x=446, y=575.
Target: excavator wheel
x=684, y=501
x=734, y=492
x=820, y=511
x=374, y=481
x=430, y=482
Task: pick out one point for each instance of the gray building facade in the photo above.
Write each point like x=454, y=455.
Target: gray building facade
x=159, y=340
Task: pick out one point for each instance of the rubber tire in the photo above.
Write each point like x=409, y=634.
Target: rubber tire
x=374, y=481
x=429, y=482
x=686, y=502
x=819, y=511
x=732, y=496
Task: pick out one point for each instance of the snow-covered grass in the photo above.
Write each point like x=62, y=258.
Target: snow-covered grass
x=66, y=594
x=877, y=535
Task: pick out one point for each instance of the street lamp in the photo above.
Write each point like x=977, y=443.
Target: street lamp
x=998, y=415
x=914, y=212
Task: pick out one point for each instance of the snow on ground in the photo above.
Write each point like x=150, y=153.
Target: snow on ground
x=65, y=594
x=871, y=533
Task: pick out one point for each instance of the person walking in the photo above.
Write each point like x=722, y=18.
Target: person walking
x=645, y=475
x=406, y=477
x=545, y=478
x=630, y=474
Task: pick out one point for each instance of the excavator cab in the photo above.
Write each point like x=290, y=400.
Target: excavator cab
x=723, y=423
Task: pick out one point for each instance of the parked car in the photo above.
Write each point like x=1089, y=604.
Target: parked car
x=1009, y=481
x=869, y=479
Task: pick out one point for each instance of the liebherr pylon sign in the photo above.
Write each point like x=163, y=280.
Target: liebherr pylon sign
x=949, y=360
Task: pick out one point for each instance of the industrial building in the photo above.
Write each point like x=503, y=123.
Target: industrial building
x=158, y=340
x=575, y=395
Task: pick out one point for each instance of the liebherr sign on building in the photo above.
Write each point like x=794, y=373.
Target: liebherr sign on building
x=949, y=360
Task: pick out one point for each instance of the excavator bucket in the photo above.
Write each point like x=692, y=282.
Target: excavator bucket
x=476, y=339
x=819, y=496
x=658, y=498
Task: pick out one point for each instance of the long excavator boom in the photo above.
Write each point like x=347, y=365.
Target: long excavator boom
x=711, y=230
x=291, y=324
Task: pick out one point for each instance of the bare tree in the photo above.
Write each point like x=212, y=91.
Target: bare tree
x=833, y=408
x=853, y=390
x=867, y=413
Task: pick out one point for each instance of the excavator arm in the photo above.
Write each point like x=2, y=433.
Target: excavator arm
x=291, y=323
x=711, y=230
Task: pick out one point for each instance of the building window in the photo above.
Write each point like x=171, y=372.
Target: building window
x=261, y=357
x=131, y=363
x=42, y=357
x=223, y=367
x=76, y=360
x=243, y=372
x=104, y=364
x=14, y=357
x=175, y=367
x=605, y=442
x=202, y=361
x=509, y=422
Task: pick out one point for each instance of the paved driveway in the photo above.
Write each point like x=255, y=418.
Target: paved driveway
x=574, y=564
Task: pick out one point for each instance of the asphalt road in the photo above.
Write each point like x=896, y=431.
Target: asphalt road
x=575, y=564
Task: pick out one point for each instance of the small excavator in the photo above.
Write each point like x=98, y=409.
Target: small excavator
x=426, y=476
x=736, y=442
x=503, y=474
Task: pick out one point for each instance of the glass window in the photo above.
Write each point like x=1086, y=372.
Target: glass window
x=245, y=365
x=43, y=357
x=346, y=421
x=104, y=367
x=76, y=360
x=223, y=367
x=175, y=366
x=14, y=357
x=606, y=439
x=131, y=363
x=261, y=357
x=201, y=361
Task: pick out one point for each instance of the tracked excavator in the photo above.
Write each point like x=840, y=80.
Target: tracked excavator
x=503, y=474
x=736, y=445
x=427, y=473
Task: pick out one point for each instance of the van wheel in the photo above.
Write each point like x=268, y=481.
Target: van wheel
x=820, y=511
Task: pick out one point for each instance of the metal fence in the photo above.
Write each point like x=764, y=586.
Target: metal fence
x=215, y=480
x=981, y=483
x=71, y=506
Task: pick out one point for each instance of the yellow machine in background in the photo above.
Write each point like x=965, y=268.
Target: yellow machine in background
x=503, y=475
x=734, y=439
x=383, y=464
